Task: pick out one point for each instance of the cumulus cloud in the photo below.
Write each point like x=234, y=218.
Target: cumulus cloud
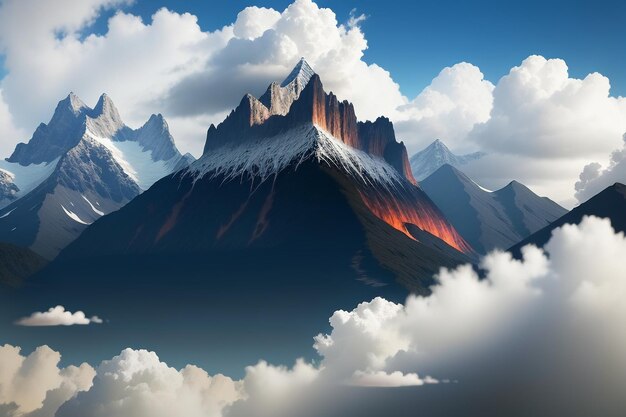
x=594, y=179
x=136, y=383
x=57, y=316
x=253, y=21
x=456, y=100
x=543, y=117
x=542, y=335
x=9, y=132
x=35, y=385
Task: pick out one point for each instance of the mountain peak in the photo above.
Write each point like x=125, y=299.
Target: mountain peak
x=73, y=103
x=105, y=106
x=429, y=159
x=301, y=73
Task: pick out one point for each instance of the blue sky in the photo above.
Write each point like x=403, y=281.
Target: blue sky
x=414, y=40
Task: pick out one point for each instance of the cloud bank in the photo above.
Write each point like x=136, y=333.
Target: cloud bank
x=35, y=385
x=57, y=316
x=538, y=336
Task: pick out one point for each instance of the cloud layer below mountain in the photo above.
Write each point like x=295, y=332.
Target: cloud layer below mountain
x=537, y=336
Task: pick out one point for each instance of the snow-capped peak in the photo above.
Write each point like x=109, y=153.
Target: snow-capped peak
x=106, y=108
x=301, y=74
x=264, y=158
x=74, y=103
x=436, y=155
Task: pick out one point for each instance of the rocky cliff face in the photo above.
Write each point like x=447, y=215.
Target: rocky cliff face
x=253, y=120
x=83, y=164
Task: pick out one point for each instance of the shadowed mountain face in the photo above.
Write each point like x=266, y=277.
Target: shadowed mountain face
x=489, y=220
x=17, y=264
x=310, y=184
x=610, y=203
x=85, y=163
x=434, y=156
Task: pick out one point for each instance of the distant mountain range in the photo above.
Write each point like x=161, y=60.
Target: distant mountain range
x=486, y=219
x=83, y=164
x=289, y=176
x=610, y=203
x=434, y=156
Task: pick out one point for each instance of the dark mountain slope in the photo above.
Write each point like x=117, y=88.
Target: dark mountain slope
x=610, y=203
x=489, y=220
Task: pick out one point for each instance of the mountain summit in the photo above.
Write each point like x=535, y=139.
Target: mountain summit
x=83, y=164
x=290, y=181
x=435, y=155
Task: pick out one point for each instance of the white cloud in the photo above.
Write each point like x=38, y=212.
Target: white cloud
x=57, y=316
x=549, y=124
x=389, y=379
x=538, y=336
x=456, y=100
x=35, y=384
x=136, y=383
x=594, y=179
x=9, y=133
x=253, y=21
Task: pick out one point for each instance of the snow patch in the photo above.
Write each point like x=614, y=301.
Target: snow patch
x=136, y=163
x=266, y=157
x=7, y=213
x=480, y=186
x=73, y=216
x=27, y=177
x=92, y=206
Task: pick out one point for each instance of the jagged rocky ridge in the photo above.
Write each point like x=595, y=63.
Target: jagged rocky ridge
x=311, y=184
x=83, y=164
x=255, y=119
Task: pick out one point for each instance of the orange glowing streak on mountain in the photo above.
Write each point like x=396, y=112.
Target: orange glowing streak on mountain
x=397, y=213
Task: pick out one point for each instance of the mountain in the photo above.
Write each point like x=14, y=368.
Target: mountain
x=17, y=264
x=291, y=182
x=435, y=155
x=486, y=219
x=609, y=203
x=83, y=164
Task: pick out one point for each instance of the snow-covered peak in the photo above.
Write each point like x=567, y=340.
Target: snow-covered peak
x=154, y=136
x=301, y=74
x=73, y=103
x=71, y=107
x=105, y=121
x=106, y=108
x=436, y=155
x=263, y=158
x=278, y=98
